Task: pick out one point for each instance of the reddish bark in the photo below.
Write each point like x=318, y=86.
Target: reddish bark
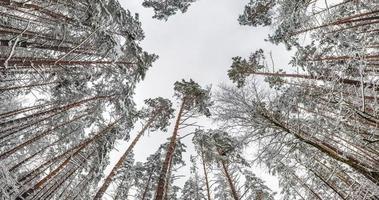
x=170, y=152
x=206, y=177
x=120, y=162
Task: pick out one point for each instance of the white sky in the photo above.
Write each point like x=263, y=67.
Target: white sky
x=198, y=44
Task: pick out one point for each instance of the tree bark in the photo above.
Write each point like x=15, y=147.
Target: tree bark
x=324, y=78
x=147, y=186
x=230, y=180
x=120, y=162
x=206, y=177
x=170, y=151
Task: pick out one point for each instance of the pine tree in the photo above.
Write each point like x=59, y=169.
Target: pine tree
x=157, y=116
x=163, y=9
x=194, y=101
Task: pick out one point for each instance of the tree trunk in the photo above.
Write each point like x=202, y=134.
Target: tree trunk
x=331, y=186
x=30, y=62
x=168, y=179
x=170, y=151
x=147, y=186
x=303, y=183
x=206, y=177
x=230, y=180
x=324, y=78
x=120, y=162
x=22, y=110
x=55, y=109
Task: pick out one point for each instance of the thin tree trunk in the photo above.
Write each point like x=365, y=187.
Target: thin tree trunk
x=230, y=180
x=168, y=179
x=206, y=177
x=52, y=110
x=169, y=155
x=120, y=162
x=333, y=187
x=62, y=62
x=340, y=80
x=27, y=86
x=147, y=186
x=304, y=184
x=22, y=110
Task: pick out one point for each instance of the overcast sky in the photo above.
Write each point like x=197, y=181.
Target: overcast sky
x=198, y=44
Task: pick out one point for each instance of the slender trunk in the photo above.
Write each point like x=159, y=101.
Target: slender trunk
x=82, y=187
x=169, y=155
x=230, y=180
x=206, y=177
x=62, y=62
x=28, y=86
x=20, y=127
x=305, y=185
x=331, y=186
x=35, y=45
x=68, y=175
x=31, y=35
x=51, y=190
x=65, y=189
x=52, y=110
x=41, y=10
x=324, y=78
x=342, y=21
x=147, y=186
x=22, y=110
x=168, y=179
x=120, y=162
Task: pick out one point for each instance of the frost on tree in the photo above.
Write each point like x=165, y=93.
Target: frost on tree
x=148, y=173
x=193, y=188
x=156, y=115
x=163, y=9
x=289, y=130
x=234, y=178
x=63, y=66
x=328, y=108
x=194, y=101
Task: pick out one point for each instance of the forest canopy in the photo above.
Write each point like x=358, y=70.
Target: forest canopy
x=68, y=76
